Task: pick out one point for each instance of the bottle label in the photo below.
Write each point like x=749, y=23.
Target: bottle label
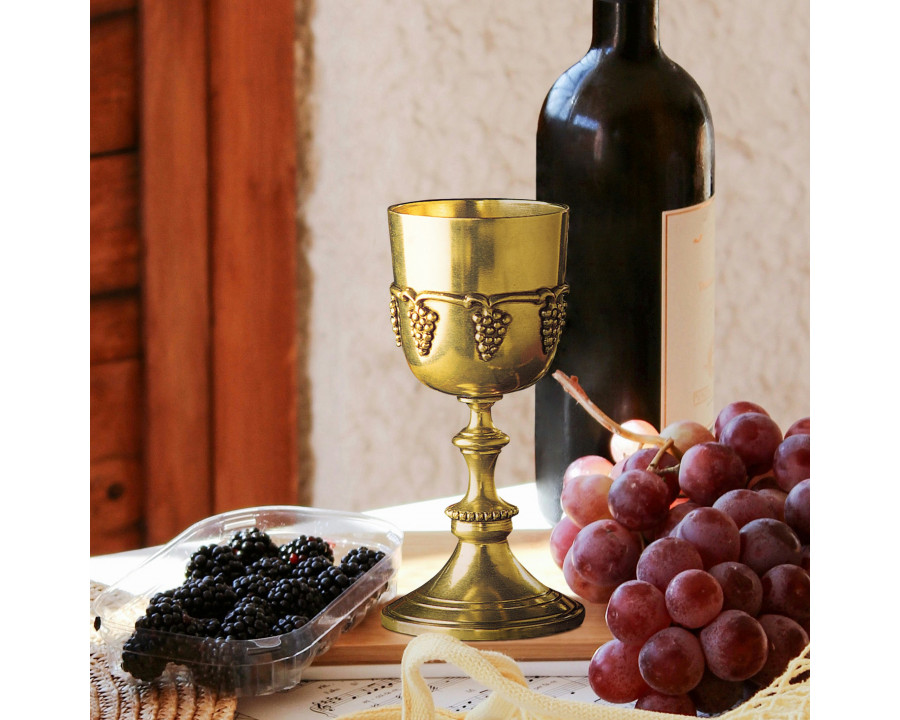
x=688, y=314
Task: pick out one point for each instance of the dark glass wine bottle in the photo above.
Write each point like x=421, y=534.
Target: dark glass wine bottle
x=625, y=139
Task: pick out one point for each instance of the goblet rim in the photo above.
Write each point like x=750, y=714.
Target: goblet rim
x=527, y=208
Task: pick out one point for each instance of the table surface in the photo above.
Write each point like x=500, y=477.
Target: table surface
x=424, y=553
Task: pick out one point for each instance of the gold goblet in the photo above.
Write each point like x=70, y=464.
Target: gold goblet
x=477, y=304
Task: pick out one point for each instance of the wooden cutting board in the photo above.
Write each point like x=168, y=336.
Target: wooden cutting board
x=423, y=554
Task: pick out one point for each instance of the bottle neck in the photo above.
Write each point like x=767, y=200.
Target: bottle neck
x=626, y=27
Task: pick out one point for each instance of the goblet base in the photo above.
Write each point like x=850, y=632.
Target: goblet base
x=483, y=593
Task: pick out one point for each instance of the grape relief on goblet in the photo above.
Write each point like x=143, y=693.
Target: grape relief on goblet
x=490, y=321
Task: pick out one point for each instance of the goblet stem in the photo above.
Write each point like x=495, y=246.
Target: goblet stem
x=480, y=443
x=483, y=592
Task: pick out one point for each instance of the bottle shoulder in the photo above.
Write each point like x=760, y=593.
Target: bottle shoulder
x=625, y=130
x=605, y=86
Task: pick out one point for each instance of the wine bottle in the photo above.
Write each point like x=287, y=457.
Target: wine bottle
x=625, y=139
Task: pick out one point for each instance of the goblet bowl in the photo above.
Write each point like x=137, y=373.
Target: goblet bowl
x=478, y=298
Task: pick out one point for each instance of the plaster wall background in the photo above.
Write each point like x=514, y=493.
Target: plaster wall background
x=415, y=100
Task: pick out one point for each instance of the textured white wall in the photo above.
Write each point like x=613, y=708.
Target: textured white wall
x=418, y=100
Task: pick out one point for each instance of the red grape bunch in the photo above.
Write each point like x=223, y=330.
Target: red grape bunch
x=699, y=545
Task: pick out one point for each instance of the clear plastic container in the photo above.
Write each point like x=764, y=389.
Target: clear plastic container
x=265, y=665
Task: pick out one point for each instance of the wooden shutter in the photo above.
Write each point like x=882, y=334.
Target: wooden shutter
x=195, y=273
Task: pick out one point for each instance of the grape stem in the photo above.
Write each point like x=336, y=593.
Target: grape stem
x=571, y=385
x=669, y=444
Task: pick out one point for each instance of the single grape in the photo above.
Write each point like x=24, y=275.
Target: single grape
x=766, y=543
x=763, y=481
x=605, y=553
x=561, y=537
x=672, y=704
x=621, y=447
x=693, y=598
x=787, y=639
x=735, y=645
x=786, y=592
x=800, y=427
x=585, y=589
x=741, y=587
x=790, y=464
x=676, y=513
x=636, y=610
x=638, y=499
x=671, y=661
x=686, y=433
x=641, y=461
x=614, y=674
x=732, y=410
x=663, y=559
x=754, y=437
x=713, y=695
x=709, y=470
x=713, y=533
x=584, y=498
x=776, y=498
x=587, y=465
x=743, y=505
x=796, y=510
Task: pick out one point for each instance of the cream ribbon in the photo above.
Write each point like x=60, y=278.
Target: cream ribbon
x=512, y=699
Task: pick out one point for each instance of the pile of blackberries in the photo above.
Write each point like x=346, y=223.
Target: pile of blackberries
x=246, y=589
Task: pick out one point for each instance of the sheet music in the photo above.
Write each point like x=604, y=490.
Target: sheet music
x=318, y=699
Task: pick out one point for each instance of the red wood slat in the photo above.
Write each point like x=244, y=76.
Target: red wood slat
x=115, y=327
x=115, y=235
x=117, y=487
x=114, y=103
x=176, y=277
x=253, y=166
x=116, y=505
x=103, y=7
x=116, y=404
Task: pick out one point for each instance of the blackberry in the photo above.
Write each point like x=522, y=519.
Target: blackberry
x=360, y=560
x=218, y=667
x=168, y=615
x=254, y=585
x=289, y=623
x=209, y=627
x=159, y=633
x=252, y=544
x=162, y=596
x=251, y=618
x=310, y=569
x=331, y=582
x=209, y=597
x=273, y=568
x=212, y=561
x=293, y=596
x=304, y=547
x=141, y=656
